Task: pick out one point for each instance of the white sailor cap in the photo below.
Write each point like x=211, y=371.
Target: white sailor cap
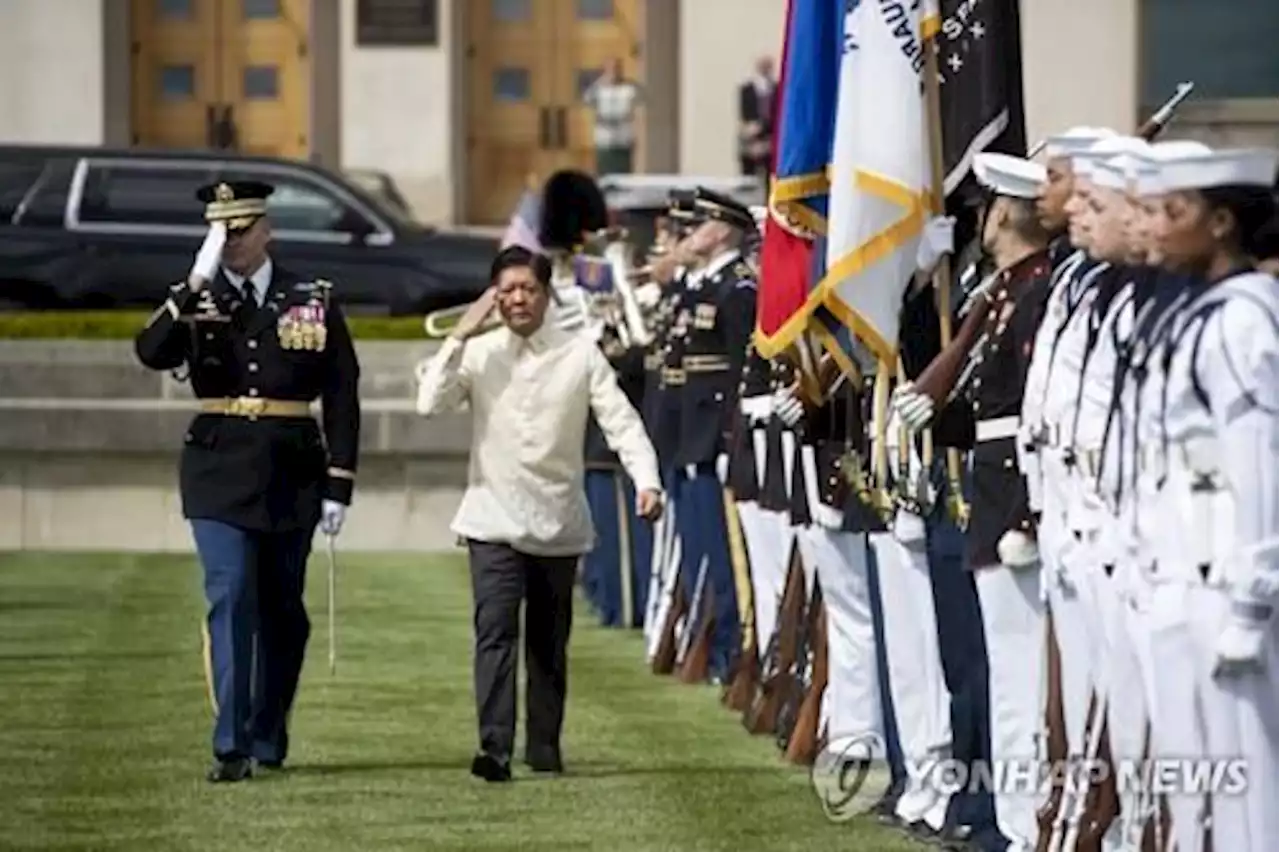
x=1006, y=175
x=1238, y=167
x=1151, y=182
x=1075, y=140
x=1125, y=170
x=1083, y=162
x=1176, y=149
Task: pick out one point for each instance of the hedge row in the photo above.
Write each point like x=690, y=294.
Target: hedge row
x=123, y=325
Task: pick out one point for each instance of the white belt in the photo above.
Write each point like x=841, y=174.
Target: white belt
x=996, y=428
x=757, y=407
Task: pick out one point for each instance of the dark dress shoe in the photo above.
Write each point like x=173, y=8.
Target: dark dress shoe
x=490, y=768
x=270, y=766
x=230, y=770
x=957, y=837
x=924, y=833
x=544, y=760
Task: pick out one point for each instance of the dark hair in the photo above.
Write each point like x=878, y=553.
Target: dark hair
x=1254, y=209
x=514, y=256
x=1264, y=241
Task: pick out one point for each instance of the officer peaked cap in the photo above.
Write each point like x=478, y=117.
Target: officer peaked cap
x=237, y=203
x=713, y=205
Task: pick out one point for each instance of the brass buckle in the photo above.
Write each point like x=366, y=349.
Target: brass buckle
x=250, y=407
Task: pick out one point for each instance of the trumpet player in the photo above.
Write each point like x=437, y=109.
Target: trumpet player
x=616, y=572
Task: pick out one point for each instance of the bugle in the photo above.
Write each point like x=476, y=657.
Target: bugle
x=440, y=324
x=632, y=317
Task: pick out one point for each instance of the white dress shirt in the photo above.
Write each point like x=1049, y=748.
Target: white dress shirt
x=260, y=281
x=529, y=400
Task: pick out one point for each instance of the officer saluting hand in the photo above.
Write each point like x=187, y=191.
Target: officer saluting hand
x=256, y=475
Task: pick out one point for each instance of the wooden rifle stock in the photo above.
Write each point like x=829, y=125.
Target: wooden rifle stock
x=745, y=680
x=802, y=748
x=762, y=717
x=1100, y=801
x=939, y=378
x=664, y=658
x=697, y=660
x=1056, y=735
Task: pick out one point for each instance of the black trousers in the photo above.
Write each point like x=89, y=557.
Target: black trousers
x=501, y=578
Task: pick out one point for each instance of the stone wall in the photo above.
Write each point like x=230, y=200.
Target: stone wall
x=89, y=440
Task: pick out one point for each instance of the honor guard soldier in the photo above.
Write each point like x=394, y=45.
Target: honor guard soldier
x=984, y=369
x=258, y=473
x=663, y=397
x=719, y=318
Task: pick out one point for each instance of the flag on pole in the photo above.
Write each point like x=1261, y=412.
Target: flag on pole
x=804, y=114
x=880, y=177
x=522, y=230
x=980, y=81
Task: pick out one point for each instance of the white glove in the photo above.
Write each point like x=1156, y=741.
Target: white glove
x=210, y=254
x=1017, y=550
x=938, y=238
x=1240, y=648
x=910, y=530
x=722, y=468
x=789, y=409
x=913, y=408
x=332, y=514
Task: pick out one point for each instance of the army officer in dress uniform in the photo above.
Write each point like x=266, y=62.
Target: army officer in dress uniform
x=719, y=317
x=258, y=473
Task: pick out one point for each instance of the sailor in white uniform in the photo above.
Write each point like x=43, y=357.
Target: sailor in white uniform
x=1220, y=469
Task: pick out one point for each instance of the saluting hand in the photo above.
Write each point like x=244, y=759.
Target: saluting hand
x=208, y=257
x=476, y=315
x=649, y=504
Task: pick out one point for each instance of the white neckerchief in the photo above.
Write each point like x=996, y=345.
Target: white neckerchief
x=261, y=280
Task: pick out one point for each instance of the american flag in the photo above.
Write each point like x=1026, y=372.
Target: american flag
x=523, y=228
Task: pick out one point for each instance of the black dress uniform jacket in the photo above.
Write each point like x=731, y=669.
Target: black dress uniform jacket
x=664, y=388
x=719, y=315
x=1015, y=307
x=261, y=473
x=774, y=488
x=744, y=475
x=841, y=451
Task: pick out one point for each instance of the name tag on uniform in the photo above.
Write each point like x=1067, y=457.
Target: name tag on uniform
x=303, y=327
x=704, y=317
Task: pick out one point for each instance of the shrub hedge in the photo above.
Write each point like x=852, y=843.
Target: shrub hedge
x=123, y=325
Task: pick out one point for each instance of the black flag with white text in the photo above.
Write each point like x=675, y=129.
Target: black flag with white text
x=980, y=81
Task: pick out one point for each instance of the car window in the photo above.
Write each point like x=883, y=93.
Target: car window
x=300, y=205
x=150, y=195
x=16, y=178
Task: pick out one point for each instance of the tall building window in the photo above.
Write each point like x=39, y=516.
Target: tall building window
x=1228, y=48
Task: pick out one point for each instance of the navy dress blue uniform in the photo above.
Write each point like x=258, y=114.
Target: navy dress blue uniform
x=254, y=469
x=616, y=571
x=719, y=317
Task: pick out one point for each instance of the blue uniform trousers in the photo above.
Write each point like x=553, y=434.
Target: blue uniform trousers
x=964, y=668
x=258, y=630
x=892, y=742
x=701, y=525
x=615, y=574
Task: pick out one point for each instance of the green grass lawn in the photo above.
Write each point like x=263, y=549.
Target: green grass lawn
x=104, y=730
